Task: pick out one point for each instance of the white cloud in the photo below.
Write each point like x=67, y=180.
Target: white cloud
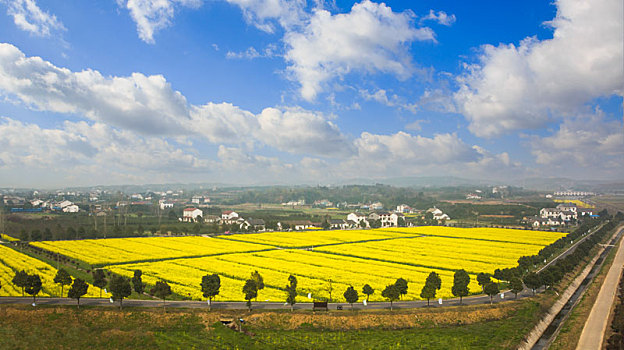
x=370, y=38
x=148, y=105
x=29, y=17
x=522, y=87
x=441, y=17
x=582, y=145
x=151, y=16
x=261, y=13
x=296, y=130
x=142, y=103
x=394, y=100
x=251, y=53
x=90, y=153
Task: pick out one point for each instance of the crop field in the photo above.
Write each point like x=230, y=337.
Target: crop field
x=578, y=203
x=12, y=261
x=346, y=257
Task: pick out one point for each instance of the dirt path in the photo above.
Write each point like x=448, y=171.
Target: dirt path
x=596, y=324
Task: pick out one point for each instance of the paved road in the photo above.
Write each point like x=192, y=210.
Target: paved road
x=572, y=247
x=596, y=324
x=474, y=300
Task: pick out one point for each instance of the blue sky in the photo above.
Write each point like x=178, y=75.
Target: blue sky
x=274, y=91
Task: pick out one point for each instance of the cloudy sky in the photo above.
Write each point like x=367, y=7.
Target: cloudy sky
x=295, y=91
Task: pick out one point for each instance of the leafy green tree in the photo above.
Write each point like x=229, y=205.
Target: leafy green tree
x=137, y=282
x=63, y=278
x=210, y=286
x=99, y=279
x=461, y=279
x=547, y=278
x=257, y=277
x=484, y=279
x=491, y=289
x=516, y=286
x=291, y=290
x=161, y=290
x=533, y=281
x=428, y=292
x=401, y=284
x=368, y=290
x=435, y=280
x=250, y=289
x=19, y=280
x=325, y=225
x=77, y=290
x=351, y=296
x=375, y=223
x=392, y=293
x=33, y=285
x=120, y=288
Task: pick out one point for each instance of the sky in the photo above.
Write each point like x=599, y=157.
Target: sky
x=108, y=92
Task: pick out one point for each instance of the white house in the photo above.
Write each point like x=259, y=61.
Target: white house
x=550, y=213
x=165, y=205
x=190, y=214
x=358, y=218
x=441, y=216
x=435, y=211
x=71, y=209
x=64, y=204
x=377, y=206
x=338, y=224
x=229, y=215
x=255, y=224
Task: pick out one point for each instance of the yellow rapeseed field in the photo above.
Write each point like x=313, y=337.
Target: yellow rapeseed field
x=12, y=261
x=346, y=257
x=575, y=201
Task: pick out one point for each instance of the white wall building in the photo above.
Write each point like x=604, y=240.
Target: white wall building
x=189, y=214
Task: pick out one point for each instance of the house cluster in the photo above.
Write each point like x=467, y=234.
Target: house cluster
x=386, y=219
x=563, y=214
x=227, y=217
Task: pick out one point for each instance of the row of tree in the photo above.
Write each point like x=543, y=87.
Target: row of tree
x=31, y=284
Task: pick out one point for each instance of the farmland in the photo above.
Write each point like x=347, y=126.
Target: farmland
x=12, y=261
x=350, y=257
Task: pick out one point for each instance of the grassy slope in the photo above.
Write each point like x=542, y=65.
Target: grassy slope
x=23, y=327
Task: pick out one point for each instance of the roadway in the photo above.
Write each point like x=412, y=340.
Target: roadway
x=593, y=333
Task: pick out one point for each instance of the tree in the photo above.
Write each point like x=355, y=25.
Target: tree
x=351, y=296
x=259, y=282
x=210, y=286
x=63, y=278
x=291, y=290
x=137, y=282
x=161, y=290
x=428, y=292
x=330, y=289
x=368, y=290
x=33, y=285
x=325, y=225
x=392, y=293
x=533, y=281
x=120, y=288
x=401, y=284
x=435, y=280
x=99, y=279
x=516, y=286
x=250, y=289
x=461, y=279
x=484, y=279
x=77, y=290
x=491, y=289
x=19, y=280
x=546, y=278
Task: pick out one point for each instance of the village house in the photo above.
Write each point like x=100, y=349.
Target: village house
x=253, y=224
x=358, y=218
x=191, y=214
x=229, y=216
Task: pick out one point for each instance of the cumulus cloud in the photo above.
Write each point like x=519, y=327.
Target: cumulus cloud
x=296, y=130
x=148, y=105
x=151, y=16
x=523, y=86
x=31, y=18
x=441, y=17
x=262, y=13
x=251, y=53
x=370, y=38
x=96, y=151
x=587, y=142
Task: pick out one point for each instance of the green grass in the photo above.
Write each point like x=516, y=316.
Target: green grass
x=22, y=327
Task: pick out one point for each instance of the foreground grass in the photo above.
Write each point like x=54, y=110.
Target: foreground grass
x=495, y=327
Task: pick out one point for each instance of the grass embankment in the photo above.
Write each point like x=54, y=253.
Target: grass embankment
x=571, y=329
x=468, y=327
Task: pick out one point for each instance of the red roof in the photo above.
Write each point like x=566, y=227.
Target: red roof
x=227, y=212
x=190, y=209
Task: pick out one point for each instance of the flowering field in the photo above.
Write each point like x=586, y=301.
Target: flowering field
x=575, y=201
x=12, y=261
x=348, y=257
